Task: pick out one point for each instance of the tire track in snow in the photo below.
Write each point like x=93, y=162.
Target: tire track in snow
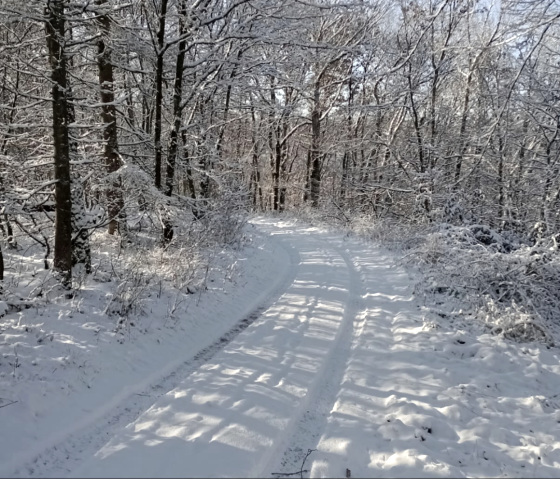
x=309, y=421
x=241, y=405
x=67, y=452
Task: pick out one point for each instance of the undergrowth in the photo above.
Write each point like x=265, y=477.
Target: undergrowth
x=472, y=275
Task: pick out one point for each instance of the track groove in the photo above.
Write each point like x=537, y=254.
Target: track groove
x=308, y=424
x=61, y=458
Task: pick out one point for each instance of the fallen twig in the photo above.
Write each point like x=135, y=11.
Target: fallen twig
x=301, y=470
x=282, y=474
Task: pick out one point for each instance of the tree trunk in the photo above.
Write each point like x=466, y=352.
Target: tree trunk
x=315, y=175
x=281, y=153
x=220, y=143
x=177, y=110
x=256, y=175
x=115, y=204
x=307, y=177
x=159, y=92
x=1, y=270
x=81, y=251
x=463, y=131
x=344, y=178
x=347, y=153
x=276, y=171
x=55, y=28
x=501, y=193
x=190, y=180
x=204, y=164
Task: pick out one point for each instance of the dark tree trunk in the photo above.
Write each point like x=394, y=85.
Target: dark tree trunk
x=344, y=178
x=315, y=174
x=501, y=192
x=281, y=153
x=190, y=180
x=115, y=204
x=256, y=175
x=55, y=28
x=204, y=164
x=81, y=251
x=307, y=177
x=177, y=110
x=463, y=131
x=220, y=143
x=276, y=172
x=159, y=92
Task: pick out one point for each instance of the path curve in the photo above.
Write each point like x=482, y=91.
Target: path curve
x=66, y=448
x=233, y=415
x=342, y=360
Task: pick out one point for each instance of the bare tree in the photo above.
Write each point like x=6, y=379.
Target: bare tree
x=56, y=40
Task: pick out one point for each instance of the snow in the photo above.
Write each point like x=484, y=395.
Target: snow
x=337, y=358
x=422, y=402
x=75, y=372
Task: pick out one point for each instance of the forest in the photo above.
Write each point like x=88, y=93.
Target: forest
x=174, y=115
x=142, y=142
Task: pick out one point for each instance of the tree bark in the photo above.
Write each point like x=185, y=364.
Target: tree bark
x=190, y=180
x=177, y=110
x=115, y=203
x=55, y=28
x=315, y=174
x=159, y=92
x=255, y=175
x=81, y=251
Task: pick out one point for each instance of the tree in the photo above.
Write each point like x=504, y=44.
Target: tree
x=115, y=203
x=56, y=40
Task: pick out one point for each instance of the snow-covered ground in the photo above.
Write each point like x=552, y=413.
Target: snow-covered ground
x=333, y=356
x=69, y=376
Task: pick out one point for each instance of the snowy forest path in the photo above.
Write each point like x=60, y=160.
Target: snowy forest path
x=247, y=402
x=337, y=357
x=66, y=447
x=307, y=426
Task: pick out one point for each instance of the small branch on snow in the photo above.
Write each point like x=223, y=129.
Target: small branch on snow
x=286, y=474
x=9, y=404
x=301, y=470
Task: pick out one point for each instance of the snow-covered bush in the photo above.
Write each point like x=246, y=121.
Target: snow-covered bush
x=221, y=219
x=470, y=275
x=200, y=223
x=475, y=272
